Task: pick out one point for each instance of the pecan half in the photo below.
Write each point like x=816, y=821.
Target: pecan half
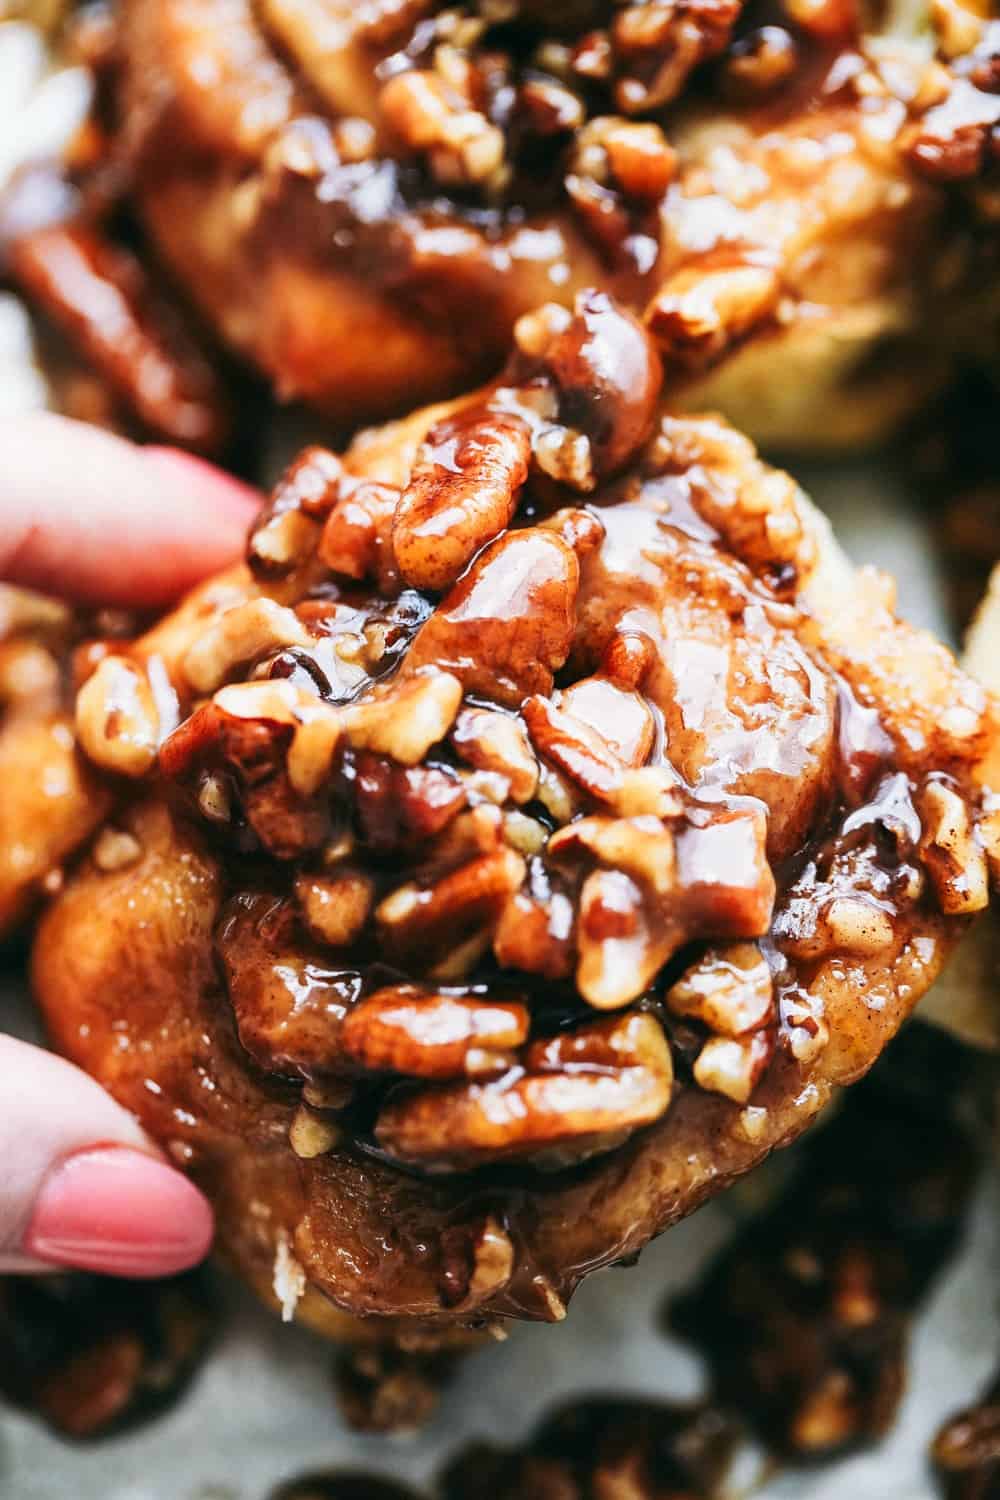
x=102, y=298
x=357, y=537
x=507, y=625
x=462, y=493
x=607, y=379
x=581, y=1093
x=426, y=1034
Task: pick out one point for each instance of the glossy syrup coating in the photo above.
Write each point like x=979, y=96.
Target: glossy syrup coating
x=470, y=935
x=54, y=801
x=364, y=200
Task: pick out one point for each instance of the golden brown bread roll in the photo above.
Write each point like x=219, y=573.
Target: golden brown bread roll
x=530, y=836
x=364, y=199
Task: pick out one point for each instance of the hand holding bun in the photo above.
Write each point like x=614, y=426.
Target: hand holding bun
x=534, y=832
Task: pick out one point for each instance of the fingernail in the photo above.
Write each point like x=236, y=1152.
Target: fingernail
x=204, y=479
x=119, y=1211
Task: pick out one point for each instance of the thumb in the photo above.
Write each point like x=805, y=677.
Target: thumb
x=98, y=520
x=80, y=1184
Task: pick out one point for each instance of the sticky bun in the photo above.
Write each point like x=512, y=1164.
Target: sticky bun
x=365, y=198
x=534, y=832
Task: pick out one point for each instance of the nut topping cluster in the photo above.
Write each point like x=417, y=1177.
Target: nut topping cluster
x=542, y=799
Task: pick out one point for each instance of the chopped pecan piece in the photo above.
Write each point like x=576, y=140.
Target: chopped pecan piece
x=575, y=747
x=280, y=741
x=417, y=920
x=535, y=933
x=357, y=537
x=335, y=908
x=117, y=719
x=724, y=872
x=462, y=493
x=289, y=1003
x=460, y=144
x=635, y=157
x=285, y=534
x=239, y=635
x=733, y=1066
x=623, y=719
x=760, y=62
x=698, y=314
x=405, y=719
x=582, y=1092
x=951, y=853
x=312, y=1134
x=493, y=741
x=399, y=806
x=115, y=849
x=656, y=44
x=729, y=989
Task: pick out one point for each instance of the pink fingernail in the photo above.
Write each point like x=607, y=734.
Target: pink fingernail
x=119, y=1211
x=204, y=479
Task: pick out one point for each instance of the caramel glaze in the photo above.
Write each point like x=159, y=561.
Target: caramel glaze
x=347, y=251
x=740, y=821
x=56, y=801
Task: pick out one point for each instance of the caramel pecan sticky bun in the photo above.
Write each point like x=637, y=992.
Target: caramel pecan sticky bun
x=535, y=831
x=365, y=197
